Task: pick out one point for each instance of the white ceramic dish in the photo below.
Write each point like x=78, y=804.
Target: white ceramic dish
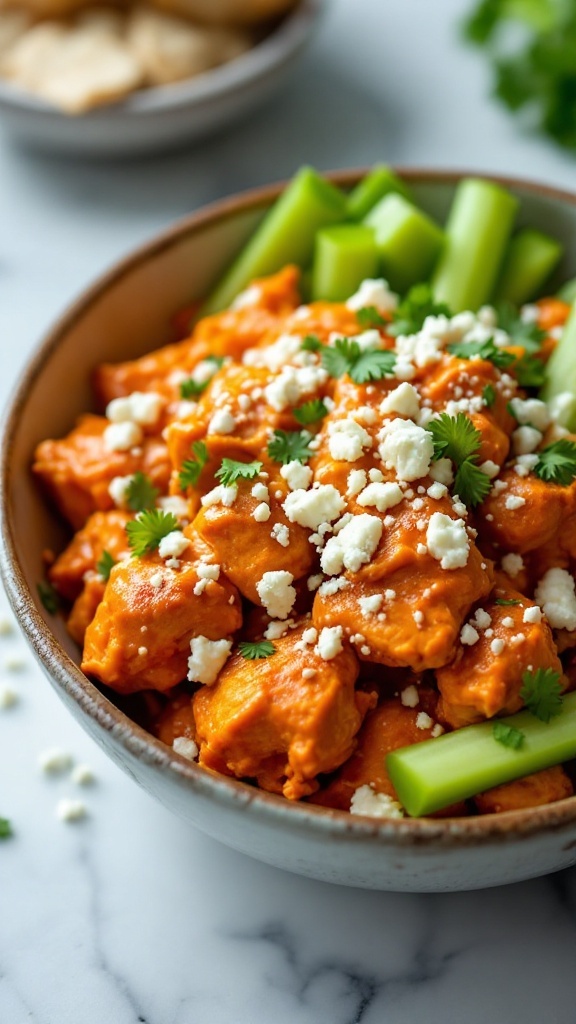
x=121, y=316
x=153, y=120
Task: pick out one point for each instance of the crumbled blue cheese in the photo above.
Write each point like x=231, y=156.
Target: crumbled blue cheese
x=381, y=496
x=71, y=810
x=373, y=292
x=262, y=512
x=121, y=437
x=468, y=635
x=447, y=541
x=118, y=489
x=512, y=564
x=54, y=761
x=404, y=400
x=281, y=534
x=8, y=698
x=329, y=643
x=276, y=593
x=323, y=504
x=297, y=476
x=406, y=448
x=141, y=407
x=185, y=747
x=556, y=596
x=347, y=440
x=220, y=495
x=82, y=775
x=207, y=658
x=353, y=546
x=173, y=545
x=370, y=804
x=222, y=422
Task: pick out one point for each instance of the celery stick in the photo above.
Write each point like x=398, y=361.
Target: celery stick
x=561, y=372
x=286, y=235
x=430, y=775
x=568, y=291
x=528, y=263
x=477, y=233
x=378, y=183
x=345, y=256
x=408, y=241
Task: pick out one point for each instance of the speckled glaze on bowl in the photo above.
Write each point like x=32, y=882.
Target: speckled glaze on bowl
x=121, y=316
x=158, y=119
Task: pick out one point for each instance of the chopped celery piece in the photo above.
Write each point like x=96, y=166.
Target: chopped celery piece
x=378, y=183
x=528, y=263
x=560, y=380
x=408, y=241
x=345, y=256
x=477, y=233
x=568, y=291
x=436, y=773
x=286, y=235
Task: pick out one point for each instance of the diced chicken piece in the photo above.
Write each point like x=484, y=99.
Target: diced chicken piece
x=282, y=720
x=522, y=513
x=140, y=636
x=545, y=787
x=103, y=531
x=78, y=469
x=485, y=677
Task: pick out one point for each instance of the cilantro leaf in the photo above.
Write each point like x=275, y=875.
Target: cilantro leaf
x=310, y=412
x=456, y=438
x=191, y=388
x=5, y=828
x=557, y=462
x=290, y=446
x=419, y=303
x=484, y=350
x=521, y=332
x=49, y=597
x=104, y=565
x=470, y=483
x=489, y=396
x=312, y=344
x=508, y=735
x=542, y=693
x=230, y=471
x=504, y=603
x=256, y=650
x=361, y=365
x=147, y=530
x=530, y=372
x=191, y=468
x=369, y=316
x=140, y=493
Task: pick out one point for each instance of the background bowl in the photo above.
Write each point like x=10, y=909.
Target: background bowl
x=125, y=314
x=156, y=119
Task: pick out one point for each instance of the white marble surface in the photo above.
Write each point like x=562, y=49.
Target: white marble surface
x=129, y=916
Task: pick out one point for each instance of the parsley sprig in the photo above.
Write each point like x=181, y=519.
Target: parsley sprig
x=147, y=530
x=484, y=350
x=311, y=343
x=508, y=735
x=557, y=462
x=191, y=468
x=542, y=693
x=290, y=446
x=230, y=471
x=191, y=388
x=489, y=395
x=49, y=597
x=140, y=493
x=410, y=315
x=530, y=372
x=456, y=438
x=5, y=828
x=361, y=365
x=310, y=412
x=104, y=565
x=253, y=651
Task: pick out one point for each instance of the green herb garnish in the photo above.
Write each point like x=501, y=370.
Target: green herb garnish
x=489, y=395
x=530, y=372
x=104, y=565
x=557, y=462
x=311, y=343
x=147, y=530
x=230, y=471
x=191, y=468
x=521, y=332
x=410, y=315
x=49, y=597
x=456, y=438
x=191, y=388
x=542, y=693
x=257, y=649
x=484, y=350
x=505, y=603
x=5, y=828
x=508, y=735
x=140, y=494
x=290, y=446
x=369, y=317
x=310, y=412
x=361, y=365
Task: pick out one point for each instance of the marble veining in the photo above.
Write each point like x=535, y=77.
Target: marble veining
x=131, y=917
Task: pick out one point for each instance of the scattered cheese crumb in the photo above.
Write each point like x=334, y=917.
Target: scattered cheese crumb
x=556, y=595
x=207, y=658
x=468, y=635
x=373, y=292
x=82, y=775
x=222, y=422
x=497, y=646
x=312, y=508
x=512, y=564
x=410, y=697
x=8, y=698
x=423, y=721
x=353, y=546
x=220, y=495
x=347, y=440
x=70, y=810
x=297, y=476
x=262, y=512
x=513, y=502
x=276, y=593
x=54, y=761
x=532, y=614
x=281, y=534
x=185, y=747
x=370, y=605
x=260, y=492
x=329, y=642
x=121, y=437
x=406, y=448
x=380, y=496
x=367, y=802
x=141, y=407
x=173, y=545
x=447, y=541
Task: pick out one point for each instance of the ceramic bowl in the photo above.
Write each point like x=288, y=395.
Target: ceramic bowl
x=154, y=120
x=123, y=315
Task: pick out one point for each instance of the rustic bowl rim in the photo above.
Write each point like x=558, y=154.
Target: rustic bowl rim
x=67, y=677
